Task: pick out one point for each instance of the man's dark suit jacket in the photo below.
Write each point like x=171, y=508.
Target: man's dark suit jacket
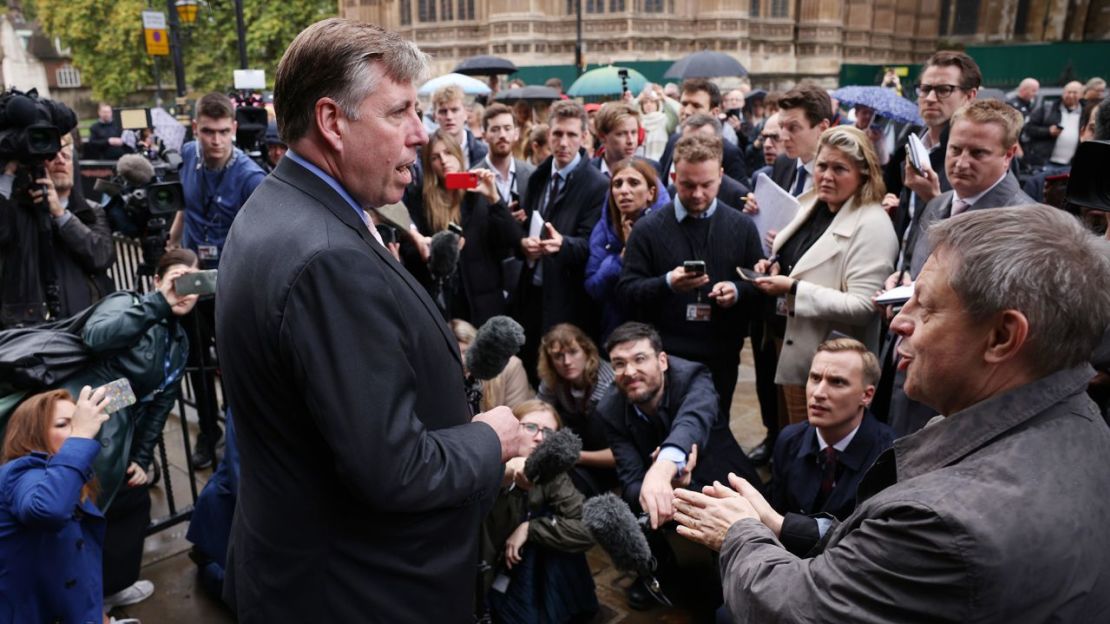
x=906, y=415
x=574, y=214
x=476, y=147
x=797, y=471
x=783, y=172
x=732, y=161
x=363, y=485
x=731, y=193
x=902, y=218
x=688, y=413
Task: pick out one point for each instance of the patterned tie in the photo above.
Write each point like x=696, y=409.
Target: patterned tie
x=800, y=185
x=959, y=206
x=828, y=478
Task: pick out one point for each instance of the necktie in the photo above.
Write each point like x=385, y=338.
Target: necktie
x=800, y=185
x=959, y=206
x=552, y=195
x=828, y=478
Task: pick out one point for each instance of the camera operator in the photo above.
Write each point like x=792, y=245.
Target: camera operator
x=217, y=178
x=55, y=247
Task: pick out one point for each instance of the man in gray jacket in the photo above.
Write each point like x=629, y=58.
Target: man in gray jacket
x=996, y=513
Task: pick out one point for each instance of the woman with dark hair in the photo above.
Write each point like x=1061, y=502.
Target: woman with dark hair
x=51, y=530
x=474, y=291
x=633, y=189
x=573, y=378
x=137, y=337
x=535, y=537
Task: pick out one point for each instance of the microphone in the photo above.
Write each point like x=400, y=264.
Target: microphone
x=497, y=340
x=557, y=454
x=444, y=254
x=135, y=169
x=612, y=525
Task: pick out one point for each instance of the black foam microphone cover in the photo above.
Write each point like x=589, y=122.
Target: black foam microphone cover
x=614, y=528
x=135, y=169
x=444, y=254
x=498, y=339
x=557, y=454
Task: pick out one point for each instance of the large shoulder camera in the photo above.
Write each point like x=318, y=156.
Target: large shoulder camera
x=143, y=197
x=31, y=127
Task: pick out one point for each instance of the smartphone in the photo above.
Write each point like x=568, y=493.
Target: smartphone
x=694, y=267
x=734, y=112
x=461, y=181
x=455, y=227
x=119, y=395
x=198, y=283
x=388, y=233
x=748, y=275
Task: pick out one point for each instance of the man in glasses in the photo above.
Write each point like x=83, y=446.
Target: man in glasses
x=948, y=81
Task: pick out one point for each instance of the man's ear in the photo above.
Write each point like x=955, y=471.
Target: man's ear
x=663, y=365
x=330, y=122
x=868, y=396
x=1008, y=335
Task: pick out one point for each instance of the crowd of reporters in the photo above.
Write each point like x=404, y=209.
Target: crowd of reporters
x=628, y=235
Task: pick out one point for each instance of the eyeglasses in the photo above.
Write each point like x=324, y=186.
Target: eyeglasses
x=533, y=429
x=774, y=138
x=942, y=90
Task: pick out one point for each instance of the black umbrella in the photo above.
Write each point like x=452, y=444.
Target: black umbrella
x=485, y=66
x=529, y=94
x=705, y=64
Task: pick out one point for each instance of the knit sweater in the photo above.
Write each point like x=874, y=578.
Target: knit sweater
x=657, y=245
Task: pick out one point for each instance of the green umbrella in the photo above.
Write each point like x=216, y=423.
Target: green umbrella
x=605, y=81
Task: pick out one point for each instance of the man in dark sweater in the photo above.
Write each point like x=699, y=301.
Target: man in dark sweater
x=680, y=268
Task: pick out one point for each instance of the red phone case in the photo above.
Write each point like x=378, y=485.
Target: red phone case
x=461, y=180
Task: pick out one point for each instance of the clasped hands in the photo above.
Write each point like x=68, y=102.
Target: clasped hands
x=705, y=517
x=533, y=247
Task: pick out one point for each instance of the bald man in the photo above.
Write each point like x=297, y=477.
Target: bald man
x=1053, y=131
x=1026, y=97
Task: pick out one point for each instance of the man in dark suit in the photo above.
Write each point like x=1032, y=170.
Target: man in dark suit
x=695, y=309
x=364, y=480
x=818, y=464
x=981, y=145
x=501, y=132
x=731, y=192
x=449, y=105
x=657, y=410
x=702, y=96
x=804, y=113
x=565, y=194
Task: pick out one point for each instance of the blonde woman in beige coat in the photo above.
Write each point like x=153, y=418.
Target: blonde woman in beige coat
x=829, y=261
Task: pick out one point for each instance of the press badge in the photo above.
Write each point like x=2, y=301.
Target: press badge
x=698, y=312
x=780, y=307
x=208, y=252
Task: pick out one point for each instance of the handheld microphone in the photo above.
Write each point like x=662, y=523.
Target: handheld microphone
x=135, y=169
x=443, y=256
x=612, y=525
x=557, y=454
x=497, y=340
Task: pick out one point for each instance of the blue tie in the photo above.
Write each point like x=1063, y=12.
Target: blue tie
x=800, y=185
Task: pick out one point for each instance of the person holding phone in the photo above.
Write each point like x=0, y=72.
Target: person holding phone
x=48, y=504
x=829, y=260
x=138, y=338
x=473, y=201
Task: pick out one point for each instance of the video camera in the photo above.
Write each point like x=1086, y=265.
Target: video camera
x=31, y=127
x=143, y=200
x=251, y=118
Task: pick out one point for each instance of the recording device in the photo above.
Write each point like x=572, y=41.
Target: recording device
x=694, y=267
x=623, y=73
x=615, y=529
x=443, y=256
x=734, y=112
x=251, y=120
x=557, y=454
x=141, y=205
x=748, y=275
x=119, y=395
x=455, y=227
x=31, y=130
x=388, y=233
x=497, y=340
x=198, y=283
x=461, y=181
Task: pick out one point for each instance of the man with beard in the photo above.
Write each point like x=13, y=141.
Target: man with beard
x=501, y=133
x=74, y=240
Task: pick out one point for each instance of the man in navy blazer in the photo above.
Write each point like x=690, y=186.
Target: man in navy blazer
x=364, y=479
x=817, y=465
x=618, y=128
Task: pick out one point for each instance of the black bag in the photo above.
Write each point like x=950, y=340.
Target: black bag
x=39, y=357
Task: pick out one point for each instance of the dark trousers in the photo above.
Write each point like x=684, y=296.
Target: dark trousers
x=528, y=311
x=724, y=370
x=200, y=325
x=125, y=529
x=766, y=360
